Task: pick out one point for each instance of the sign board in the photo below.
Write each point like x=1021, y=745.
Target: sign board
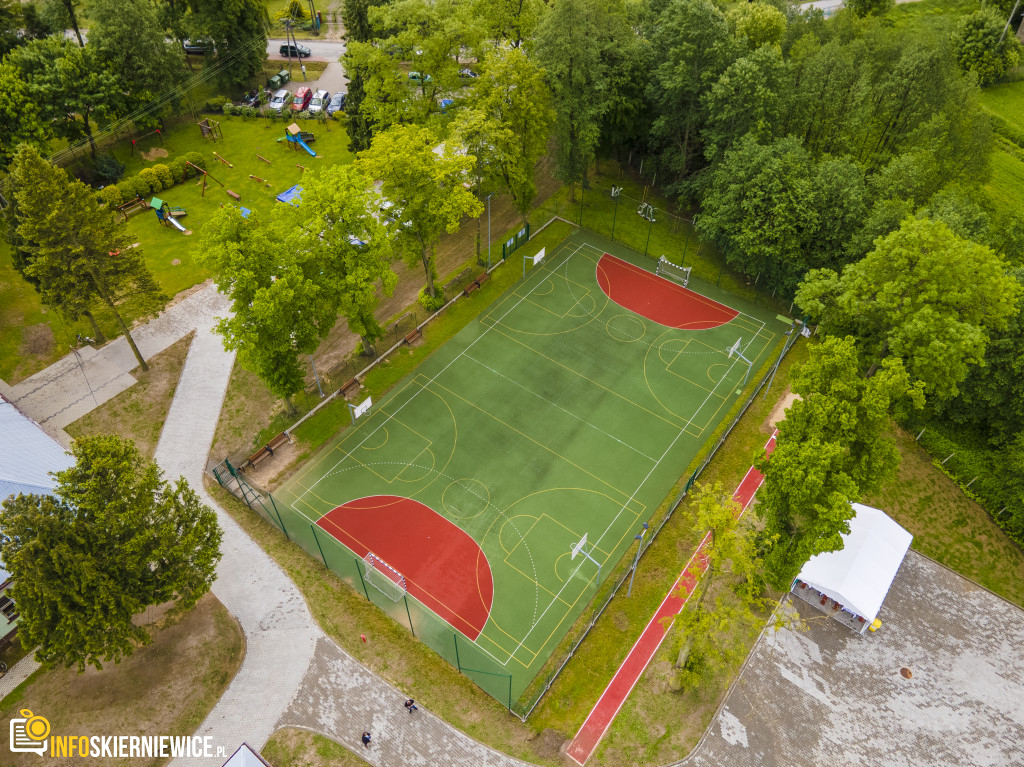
x=539, y=257
x=362, y=407
x=576, y=549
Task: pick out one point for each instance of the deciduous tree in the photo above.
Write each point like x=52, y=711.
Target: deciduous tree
x=980, y=46
x=20, y=121
x=114, y=538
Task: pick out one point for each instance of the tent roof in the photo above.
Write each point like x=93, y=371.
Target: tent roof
x=292, y=195
x=245, y=757
x=859, y=576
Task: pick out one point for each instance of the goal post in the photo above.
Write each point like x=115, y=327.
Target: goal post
x=383, y=577
x=680, y=274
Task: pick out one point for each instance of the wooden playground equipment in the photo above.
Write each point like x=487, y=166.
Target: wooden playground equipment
x=201, y=171
x=261, y=157
x=210, y=129
x=220, y=159
x=135, y=141
x=169, y=215
x=132, y=205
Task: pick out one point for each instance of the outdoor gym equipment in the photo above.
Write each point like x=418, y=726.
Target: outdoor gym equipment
x=135, y=141
x=298, y=138
x=199, y=170
x=220, y=159
x=169, y=215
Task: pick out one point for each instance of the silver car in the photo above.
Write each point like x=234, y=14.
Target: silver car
x=279, y=100
x=320, y=101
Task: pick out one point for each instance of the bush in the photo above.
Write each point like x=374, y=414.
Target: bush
x=228, y=109
x=305, y=114
x=133, y=187
x=111, y=195
x=177, y=169
x=163, y=173
x=428, y=303
x=196, y=159
x=148, y=175
x=108, y=168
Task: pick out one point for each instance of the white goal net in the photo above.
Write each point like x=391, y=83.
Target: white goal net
x=680, y=274
x=383, y=577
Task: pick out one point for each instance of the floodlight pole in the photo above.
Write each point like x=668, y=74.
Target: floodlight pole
x=649, y=228
x=636, y=561
x=489, y=230
x=352, y=412
x=316, y=376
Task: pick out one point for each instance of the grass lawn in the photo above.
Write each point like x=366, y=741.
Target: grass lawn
x=936, y=16
x=299, y=748
x=140, y=411
x=948, y=526
x=1005, y=188
x=165, y=688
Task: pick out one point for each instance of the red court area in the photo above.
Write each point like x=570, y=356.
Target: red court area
x=658, y=299
x=444, y=567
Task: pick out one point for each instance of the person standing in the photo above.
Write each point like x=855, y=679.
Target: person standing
x=366, y=739
x=411, y=706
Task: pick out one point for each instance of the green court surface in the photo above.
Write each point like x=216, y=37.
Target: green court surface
x=558, y=413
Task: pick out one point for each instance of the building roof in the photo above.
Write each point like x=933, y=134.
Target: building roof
x=245, y=757
x=858, y=577
x=27, y=456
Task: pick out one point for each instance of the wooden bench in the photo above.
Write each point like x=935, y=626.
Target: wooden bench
x=483, y=278
x=471, y=287
x=415, y=335
x=268, y=449
x=235, y=195
x=349, y=388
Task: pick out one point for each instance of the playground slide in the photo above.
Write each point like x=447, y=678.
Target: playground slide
x=175, y=223
x=305, y=146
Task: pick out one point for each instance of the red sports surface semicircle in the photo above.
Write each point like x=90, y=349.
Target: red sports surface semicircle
x=444, y=568
x=658, y=299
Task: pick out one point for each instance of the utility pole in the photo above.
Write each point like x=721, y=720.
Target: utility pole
x=288, y=44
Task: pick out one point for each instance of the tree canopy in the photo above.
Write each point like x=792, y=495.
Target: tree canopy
x=114, y=538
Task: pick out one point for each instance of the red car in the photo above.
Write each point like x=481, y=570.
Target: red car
x=302, y=98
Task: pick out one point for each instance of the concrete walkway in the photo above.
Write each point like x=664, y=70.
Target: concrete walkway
x=85, y=379
x=18, y=673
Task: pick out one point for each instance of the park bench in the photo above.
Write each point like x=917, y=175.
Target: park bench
x=471, y=287
x=235, y=195
x=415, y=335
x=349, y=388
x=268, y=449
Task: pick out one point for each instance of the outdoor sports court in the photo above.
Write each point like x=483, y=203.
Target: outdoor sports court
x=570, y=407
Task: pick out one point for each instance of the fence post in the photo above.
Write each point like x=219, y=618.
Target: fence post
x=363, y=582
x=283, y=530
x=649, y=228
x=216, y=475
x=315, y=538
x=407, y=613
x=510, y=693
x=615, y=212
x=458, y=664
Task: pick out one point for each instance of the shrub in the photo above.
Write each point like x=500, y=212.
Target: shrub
x=196, y=159
x=153, y=183
x=228, y=109
x=304, y=115
x=136, y=186
x=111, y=195
x=428, y=303
x=163, y=173
x=177, y=169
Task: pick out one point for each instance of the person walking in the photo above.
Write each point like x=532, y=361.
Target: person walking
x=366, y=739
x=411, y=706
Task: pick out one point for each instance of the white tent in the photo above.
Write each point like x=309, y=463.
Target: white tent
x=245, y=757
x=859, y=576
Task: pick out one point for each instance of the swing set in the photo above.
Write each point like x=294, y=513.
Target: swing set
x=135, y=141
x=203, y=172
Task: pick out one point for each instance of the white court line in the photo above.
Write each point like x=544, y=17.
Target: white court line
x=455, y=359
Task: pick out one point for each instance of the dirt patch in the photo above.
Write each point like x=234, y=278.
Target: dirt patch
x=139, y=412
x=548, y=744
x=36, y=340
x=165, y=688
x=155, y=153
x=176, y=262
x=248, y=408
x=778, y=413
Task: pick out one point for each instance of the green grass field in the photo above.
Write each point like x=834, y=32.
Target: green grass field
x=557, y=413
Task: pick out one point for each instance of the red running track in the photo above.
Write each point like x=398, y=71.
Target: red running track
x=658, y=299
x=444, y=568
x=611, y=700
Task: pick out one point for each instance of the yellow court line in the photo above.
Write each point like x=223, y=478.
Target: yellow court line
x=527, y=436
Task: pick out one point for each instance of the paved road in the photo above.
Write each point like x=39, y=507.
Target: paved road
x=332, y=50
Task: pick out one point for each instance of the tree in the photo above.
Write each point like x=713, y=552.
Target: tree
x=726, y=607
x=923, y=295
x=692, y=47
x=426, y=189
x=70, y=85
x=569, y=47
x=832, y=448
x=20, y=121
x=355, y=15
x=511, y=20
x=131, y=42
x=11, y=22
x=511, y=91
x=290, y=274
x=79, y=251
x=238, y=30
x=980, y=46
x=864, y=8
x=114, y=538
x=758, y=22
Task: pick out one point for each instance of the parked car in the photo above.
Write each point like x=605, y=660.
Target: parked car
x=320, y=101
x=337, y=103
x=256, y=97
x=302, y=98
x=299, y=51
x=197, y=47
x=418, y=78
x=467, y=73
x=279, y=100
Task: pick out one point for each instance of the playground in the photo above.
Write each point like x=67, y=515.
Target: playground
x=482, y=502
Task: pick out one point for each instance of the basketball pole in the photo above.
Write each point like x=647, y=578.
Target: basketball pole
x=636, y=561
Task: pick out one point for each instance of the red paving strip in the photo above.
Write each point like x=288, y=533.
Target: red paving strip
x=611, y=700
x=444, y=568
x=657, y=299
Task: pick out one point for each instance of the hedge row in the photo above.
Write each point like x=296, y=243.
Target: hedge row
x=151, y=180
x=993, y=487
x=288, y=115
